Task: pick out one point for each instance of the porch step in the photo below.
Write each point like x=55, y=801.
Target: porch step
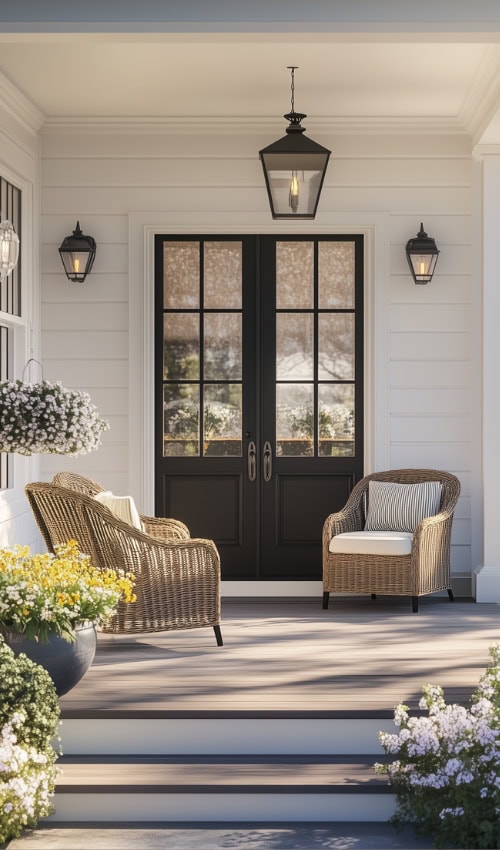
x=261, y=788
x=224, y=733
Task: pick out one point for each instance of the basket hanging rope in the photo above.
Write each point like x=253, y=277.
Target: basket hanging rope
x=45, y=417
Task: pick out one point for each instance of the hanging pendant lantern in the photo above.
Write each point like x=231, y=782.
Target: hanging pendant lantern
x=294, y=168
x=77, y=254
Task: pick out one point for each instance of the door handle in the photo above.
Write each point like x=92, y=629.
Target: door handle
x=268, y=461
x=252, y=461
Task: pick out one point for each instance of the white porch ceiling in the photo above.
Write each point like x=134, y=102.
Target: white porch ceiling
x=433, y=82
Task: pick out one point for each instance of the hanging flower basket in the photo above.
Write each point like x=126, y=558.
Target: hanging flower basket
x=47, y=417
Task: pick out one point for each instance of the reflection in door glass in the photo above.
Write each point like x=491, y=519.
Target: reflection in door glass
x=222, y=414
x=295, y=420
x=336, y=346
x=181, y=420
x=181, y=346
x=222, y=277
x=222, y=346
x=336, y=275
x=294, y=346
x=294, y=275
x=181, y=274
x=336, y=420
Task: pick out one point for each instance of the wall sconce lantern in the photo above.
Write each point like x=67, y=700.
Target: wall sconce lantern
x=294, y=169
x=77, y=254
x=422, y=253
x=9, y=249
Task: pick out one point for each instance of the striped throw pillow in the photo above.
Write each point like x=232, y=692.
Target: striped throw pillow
x=401, y=507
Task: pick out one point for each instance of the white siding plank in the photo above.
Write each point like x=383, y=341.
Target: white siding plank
x=97, y=287
x=89, y=373
x=434, y=429
x=87, y=344
x=447, y=455
x=108, y=316
x=440, y=400
x=421, y=374
x=430, y=346
x=442, y=317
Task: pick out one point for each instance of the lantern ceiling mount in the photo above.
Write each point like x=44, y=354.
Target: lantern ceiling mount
x=294, y=168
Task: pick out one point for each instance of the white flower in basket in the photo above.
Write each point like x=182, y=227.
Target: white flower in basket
x=47, y=417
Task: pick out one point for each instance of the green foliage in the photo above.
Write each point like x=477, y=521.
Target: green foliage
x=447, y=772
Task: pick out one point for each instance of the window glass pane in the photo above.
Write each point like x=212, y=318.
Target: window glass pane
x=222, y=275
x=222, y=346
x=294, y=420
x=294, y=275
x=336, y=274
x=181, y=357
x=336, y=420
x=294, y=346
x=222, y=416
x=336, y=346
x=181, y=420
x=181, y=274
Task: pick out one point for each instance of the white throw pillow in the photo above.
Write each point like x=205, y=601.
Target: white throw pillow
x=401, y=507
x=122, y=507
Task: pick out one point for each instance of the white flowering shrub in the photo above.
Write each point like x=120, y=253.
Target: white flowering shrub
x=47, y=417
x=29, y=716
x=446, y=774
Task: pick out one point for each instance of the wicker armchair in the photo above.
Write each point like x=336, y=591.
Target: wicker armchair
x=177, y=578
x=426, y=569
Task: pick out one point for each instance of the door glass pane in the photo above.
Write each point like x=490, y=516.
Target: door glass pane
x=222, y=275
x=295, y=420
x=222, y=416
x=294, y=346
x=294, y=275
x=181, y=346
x=336, y=420
x=222, y=346
x=336, y=346
x=181, y=274
x=336, y=275
x=181, y=420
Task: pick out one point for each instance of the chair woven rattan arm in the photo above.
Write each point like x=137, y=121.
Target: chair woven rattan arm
x=177, y=582
x=165, y=528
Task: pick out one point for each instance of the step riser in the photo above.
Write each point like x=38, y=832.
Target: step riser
x=168, y=808
x=207, y=736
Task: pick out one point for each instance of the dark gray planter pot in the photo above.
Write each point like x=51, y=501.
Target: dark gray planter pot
x=65, y=662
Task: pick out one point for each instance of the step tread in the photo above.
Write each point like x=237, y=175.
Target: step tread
x=220, y=774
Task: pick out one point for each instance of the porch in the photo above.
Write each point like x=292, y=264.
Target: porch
x=279, y=724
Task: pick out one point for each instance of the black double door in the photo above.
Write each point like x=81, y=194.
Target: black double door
x=259, y=393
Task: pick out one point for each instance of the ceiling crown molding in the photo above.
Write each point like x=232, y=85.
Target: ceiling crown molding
x=483, y=99
x=350, y=125
x=20, y=107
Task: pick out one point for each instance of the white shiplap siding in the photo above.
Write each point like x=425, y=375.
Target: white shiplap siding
x=428, y=383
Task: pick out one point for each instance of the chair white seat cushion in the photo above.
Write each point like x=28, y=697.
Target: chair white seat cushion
x=372, y=543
